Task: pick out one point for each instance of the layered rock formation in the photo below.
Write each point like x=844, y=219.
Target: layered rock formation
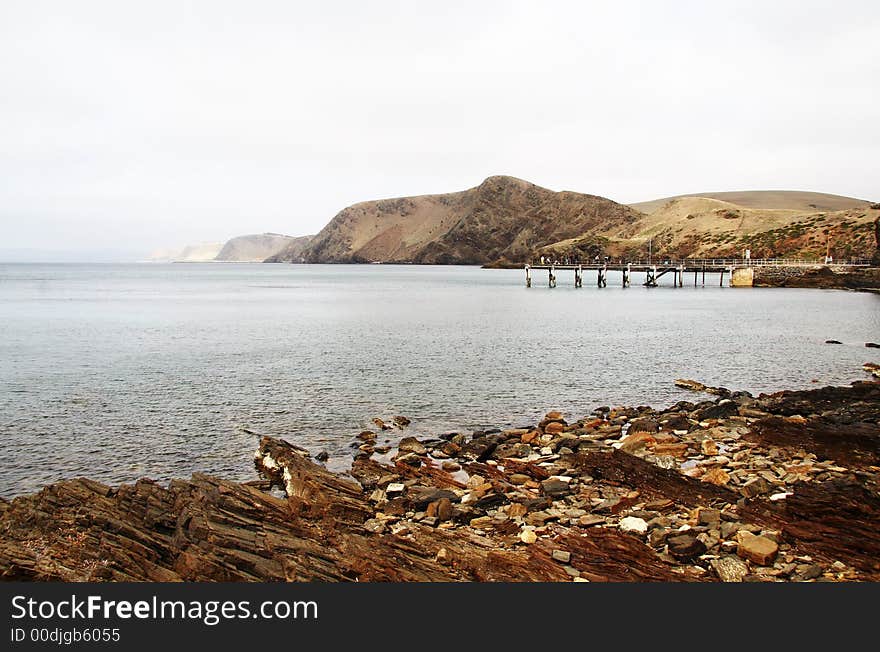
x=782, y=487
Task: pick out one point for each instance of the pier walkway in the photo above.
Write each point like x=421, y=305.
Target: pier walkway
x=737, y=269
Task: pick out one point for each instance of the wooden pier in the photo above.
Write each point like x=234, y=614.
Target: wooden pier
x=679, y=269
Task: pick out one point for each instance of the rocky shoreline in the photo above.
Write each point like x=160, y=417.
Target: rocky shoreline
x=833, y=277
x=729, y=487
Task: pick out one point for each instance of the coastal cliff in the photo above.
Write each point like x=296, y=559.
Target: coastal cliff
x=257, y=247
x=781, y=487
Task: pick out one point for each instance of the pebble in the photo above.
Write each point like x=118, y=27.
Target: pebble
x=717, y=476
x=685, y=547
x=709, y=447
x=528, y=536
x=633, y=524
x=730, y=569
x=707, y=516
x=555, y=487
x=590, y=520
x=756, y=549
x=562, y=556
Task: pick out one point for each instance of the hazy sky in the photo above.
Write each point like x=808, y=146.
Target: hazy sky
x=136, y=125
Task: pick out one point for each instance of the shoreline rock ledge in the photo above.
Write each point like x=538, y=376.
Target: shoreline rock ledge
x=779, y=487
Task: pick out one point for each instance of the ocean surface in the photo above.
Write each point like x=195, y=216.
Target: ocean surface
x=123, y=371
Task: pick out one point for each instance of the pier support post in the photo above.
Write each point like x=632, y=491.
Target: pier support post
x=552, y=278
x=704, y=274
x=721, y=282
x=681, y=276
x=603, y=276
x=528, y=276
x=578, y=277
x=651, y=277
x=695, y=278
x=626, y=275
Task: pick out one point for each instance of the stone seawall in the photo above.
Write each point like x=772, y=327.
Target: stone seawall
x=831, y=277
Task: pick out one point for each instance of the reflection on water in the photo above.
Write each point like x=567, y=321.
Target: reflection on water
x=123, y=371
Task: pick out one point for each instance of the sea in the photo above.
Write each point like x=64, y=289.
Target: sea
x=124, y=371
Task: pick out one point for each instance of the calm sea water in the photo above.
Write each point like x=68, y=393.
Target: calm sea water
x=124, y=371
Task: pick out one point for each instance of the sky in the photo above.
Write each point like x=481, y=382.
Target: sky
x=131, y=126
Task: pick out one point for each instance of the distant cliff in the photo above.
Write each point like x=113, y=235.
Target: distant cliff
x=254, y=248
x=292, y=252
x=196, y=253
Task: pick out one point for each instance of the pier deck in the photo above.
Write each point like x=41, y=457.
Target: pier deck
x=654, y=270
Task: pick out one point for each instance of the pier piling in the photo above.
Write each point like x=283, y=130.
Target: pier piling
x=602, y=279
x=651, y=277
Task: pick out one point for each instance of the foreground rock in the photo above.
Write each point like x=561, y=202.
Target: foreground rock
x=780, y=487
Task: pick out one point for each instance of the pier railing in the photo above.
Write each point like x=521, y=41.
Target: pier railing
x=691, y=263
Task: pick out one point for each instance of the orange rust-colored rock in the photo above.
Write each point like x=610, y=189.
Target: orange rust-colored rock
x=554, y=428
x=675, y=450
x=716, y=476
x=636, y=441
x=756, y=549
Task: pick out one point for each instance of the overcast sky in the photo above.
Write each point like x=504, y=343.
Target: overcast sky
x=130, y=126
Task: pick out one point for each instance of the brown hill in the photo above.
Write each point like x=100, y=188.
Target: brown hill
x=509, y=221
x=771, y=224
x=706, y=227
x=502, y=219
x=773, y=199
